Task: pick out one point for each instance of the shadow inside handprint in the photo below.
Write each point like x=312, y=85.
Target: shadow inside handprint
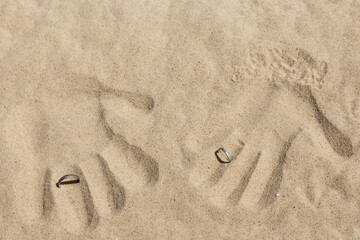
x=338, y=140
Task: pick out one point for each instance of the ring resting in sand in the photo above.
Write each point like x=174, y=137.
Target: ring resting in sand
x=226, y=153
x=74, y=179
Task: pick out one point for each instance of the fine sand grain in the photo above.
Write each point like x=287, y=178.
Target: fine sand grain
x=135, y=97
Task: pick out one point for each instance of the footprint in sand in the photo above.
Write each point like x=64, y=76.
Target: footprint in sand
x=258, y=151
x=83, y=132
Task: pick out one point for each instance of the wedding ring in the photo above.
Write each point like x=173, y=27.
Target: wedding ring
x=226, y=153
x=75, y=179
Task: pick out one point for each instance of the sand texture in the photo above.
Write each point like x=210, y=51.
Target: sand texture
x=135, y=97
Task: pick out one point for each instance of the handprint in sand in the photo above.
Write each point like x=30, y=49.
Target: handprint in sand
x=248, y=171
x=85, y=131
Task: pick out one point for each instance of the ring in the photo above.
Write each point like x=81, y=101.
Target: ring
x=76, y=180
x=226, y=153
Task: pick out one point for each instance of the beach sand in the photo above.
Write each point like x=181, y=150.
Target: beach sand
x=135, y=97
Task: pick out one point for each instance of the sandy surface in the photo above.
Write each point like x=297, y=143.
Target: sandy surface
x=136, y=98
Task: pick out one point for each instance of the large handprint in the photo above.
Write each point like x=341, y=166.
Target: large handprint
x=257, y=151
x=80, y=132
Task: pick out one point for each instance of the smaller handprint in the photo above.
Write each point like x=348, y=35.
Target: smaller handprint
x=253, y=176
